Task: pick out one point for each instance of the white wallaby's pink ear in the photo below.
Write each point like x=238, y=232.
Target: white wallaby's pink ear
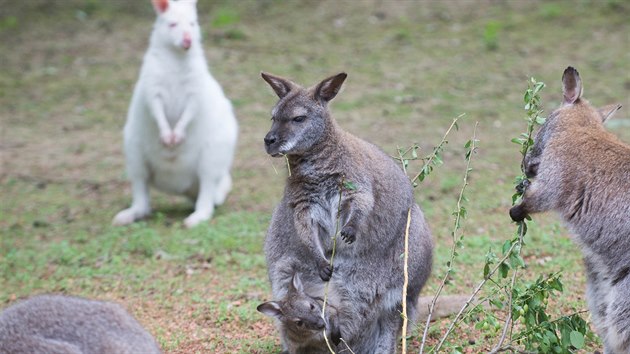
x=608, y=111
x=571, y=85
x=270, y=308
x=328, y=88
x=160, y=6
x=280, y=85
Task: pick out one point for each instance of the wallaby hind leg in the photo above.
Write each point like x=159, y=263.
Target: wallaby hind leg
x=390, y=326
x=224, y=187
x=140, y=205
x=204, y=205
x=618, y=317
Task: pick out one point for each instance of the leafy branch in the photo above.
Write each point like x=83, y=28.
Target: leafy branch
x=459, y=214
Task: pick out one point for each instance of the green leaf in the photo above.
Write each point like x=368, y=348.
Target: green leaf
x=504, y=268
x=577, y=339
x=349, y=185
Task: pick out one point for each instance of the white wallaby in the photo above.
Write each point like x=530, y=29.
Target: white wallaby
x=181, y=131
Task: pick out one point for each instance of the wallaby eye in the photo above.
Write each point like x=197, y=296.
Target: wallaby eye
x=299, y=323
x=172, y=24
x=312, y=307
x=299, y=119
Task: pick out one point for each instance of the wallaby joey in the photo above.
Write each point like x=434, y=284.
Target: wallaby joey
x=55, y=324
x=338, y=179
x=300, y=320
x=181, y=132
x=582, y=172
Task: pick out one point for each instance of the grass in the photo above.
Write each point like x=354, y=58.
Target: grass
x=66, y=78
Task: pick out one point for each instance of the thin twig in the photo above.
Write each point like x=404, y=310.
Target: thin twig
x=347, y=346
x=437, y=149
x=456, y=226
x=288, y=164
x=405, y=284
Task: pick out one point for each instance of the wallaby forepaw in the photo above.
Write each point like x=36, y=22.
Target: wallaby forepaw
x=172, y=138
x=325, y=272
x=348, y=234
x=518, y=213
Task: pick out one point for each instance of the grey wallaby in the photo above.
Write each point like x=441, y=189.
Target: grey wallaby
x=301, y=322
x=582, y=172
x=55, y=324
x=333, y=172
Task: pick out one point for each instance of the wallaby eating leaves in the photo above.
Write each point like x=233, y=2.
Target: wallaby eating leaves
x=181, y=132
x=55, y=324
x=300, y=320
x=337, y=177
x=582, y=171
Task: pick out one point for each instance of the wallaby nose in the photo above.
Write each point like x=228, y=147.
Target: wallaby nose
x=187, y=41
x=270, y=139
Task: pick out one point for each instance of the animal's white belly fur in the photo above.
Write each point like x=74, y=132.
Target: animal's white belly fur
x=174, y=170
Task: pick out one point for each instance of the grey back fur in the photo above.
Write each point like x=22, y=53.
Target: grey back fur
x=300, y=320
x=54, y=324
x=367, y=279
x=582, y=172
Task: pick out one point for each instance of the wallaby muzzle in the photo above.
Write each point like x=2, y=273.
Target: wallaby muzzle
x=272, y=144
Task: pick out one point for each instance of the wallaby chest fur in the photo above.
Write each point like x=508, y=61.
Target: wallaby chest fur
x=341, y=183
x=582, y=172
x=54, y=324
x=181, y=132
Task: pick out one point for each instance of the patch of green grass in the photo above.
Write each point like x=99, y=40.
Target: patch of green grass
x=491, y=35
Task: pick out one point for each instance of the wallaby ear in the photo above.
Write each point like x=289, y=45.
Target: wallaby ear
x=297, y=283
x=280, y=85
x=270, y=308
x=160, y=6
x=328, y=89
x=571, y=85
x=608, y=111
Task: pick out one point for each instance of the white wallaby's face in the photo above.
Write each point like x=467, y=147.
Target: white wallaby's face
x=300, y=118
x=177, y=22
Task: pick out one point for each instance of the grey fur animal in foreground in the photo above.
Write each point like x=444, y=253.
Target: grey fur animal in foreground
x=301, y=321
x=55, y=324
x=582, y=172
x=367, y=279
